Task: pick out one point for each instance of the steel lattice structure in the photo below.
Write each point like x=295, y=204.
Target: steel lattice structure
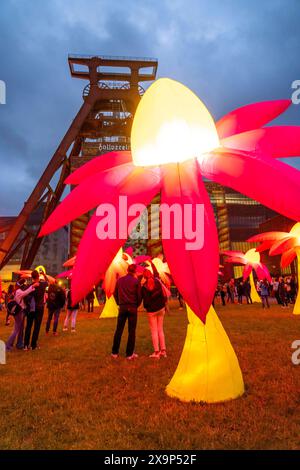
x=103, y=121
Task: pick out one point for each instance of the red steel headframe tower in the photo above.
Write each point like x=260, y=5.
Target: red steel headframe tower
x=102, y=124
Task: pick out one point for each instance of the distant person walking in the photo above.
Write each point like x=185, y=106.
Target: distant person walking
x=223, y=292
x=55, y=302
x=282, y=293
x=154, y=302
x=72, y=311
x=247, y=291
x=264, y=293
x=128, y=297
x=276, y=291
x=90, y=300
x=240, y=292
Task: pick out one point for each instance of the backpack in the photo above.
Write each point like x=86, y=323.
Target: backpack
x=13, y=308
x=165, y=290
x=52, y=297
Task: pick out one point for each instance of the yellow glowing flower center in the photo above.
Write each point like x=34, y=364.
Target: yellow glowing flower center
x=252, y=256
x=171, y=124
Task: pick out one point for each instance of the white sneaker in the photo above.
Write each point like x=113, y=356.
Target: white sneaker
x=73, y=330
x=114, y=356
x=65, y=328
x=133, y=356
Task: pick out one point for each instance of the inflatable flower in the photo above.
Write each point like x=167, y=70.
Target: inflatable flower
x=174, y=143
x=286, y=244
x=251, y=261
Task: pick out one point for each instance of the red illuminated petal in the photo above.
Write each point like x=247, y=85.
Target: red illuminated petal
x=94, y=255
x=250, y=117
x=94, y=190
x=271, y=182
x=287, y=257
x=283, y=245
x=247, y=271
x=275, y=141
x=195, y=272
x=97, y=164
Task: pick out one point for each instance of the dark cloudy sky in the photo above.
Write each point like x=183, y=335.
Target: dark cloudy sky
x=230, y=52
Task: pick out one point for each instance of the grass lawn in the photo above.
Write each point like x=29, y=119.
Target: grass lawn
x=71, y=395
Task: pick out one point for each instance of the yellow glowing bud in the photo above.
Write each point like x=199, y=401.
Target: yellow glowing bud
x=252, y=256
x=171, y=124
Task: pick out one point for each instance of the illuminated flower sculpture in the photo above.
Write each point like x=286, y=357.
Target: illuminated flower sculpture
x=286, y=244
x=251, y=261
x=116, y=269
x=174, y=143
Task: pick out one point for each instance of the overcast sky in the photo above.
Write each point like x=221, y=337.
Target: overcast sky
x=230, y=52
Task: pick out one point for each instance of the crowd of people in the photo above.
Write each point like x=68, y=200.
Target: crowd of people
x=282, y=289
x=26, y=302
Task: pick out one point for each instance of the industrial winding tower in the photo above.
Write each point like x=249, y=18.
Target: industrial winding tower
x=102, y=124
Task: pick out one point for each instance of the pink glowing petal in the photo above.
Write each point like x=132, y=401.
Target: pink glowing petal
x=236, y=260
x=262, y=272
x=129, y=251
x=141, y=259
x=250, y=117
x=275, y=141
x=271, y=182
x=287, y=257
x=94, y=255
x=65, y=274
x=264, y=246
x=101, y=163
x=94, y=190
x=247, y=271
x=70, y=262
x=195, y=272
x=283, y=245
x=268, y=236
x=238, y=254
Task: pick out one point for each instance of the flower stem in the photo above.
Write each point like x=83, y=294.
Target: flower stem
x=208, y=370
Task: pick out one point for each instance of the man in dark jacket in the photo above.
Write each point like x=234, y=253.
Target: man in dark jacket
x=35, y=317
x=55, y=302
x=128, y=297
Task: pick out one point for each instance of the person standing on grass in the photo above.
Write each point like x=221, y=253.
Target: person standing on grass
x=230, y=291
x=72, y=311
x=35, y=317
x=55, y=302
x=247, y=291
x=154, y=302
x=240, y=292
x=276, y=291
x=264, y=293
x=128, y=297
x=19, y=296
x=90, y=300
x=8, y=296
x=282, y=293
x=223, y=292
